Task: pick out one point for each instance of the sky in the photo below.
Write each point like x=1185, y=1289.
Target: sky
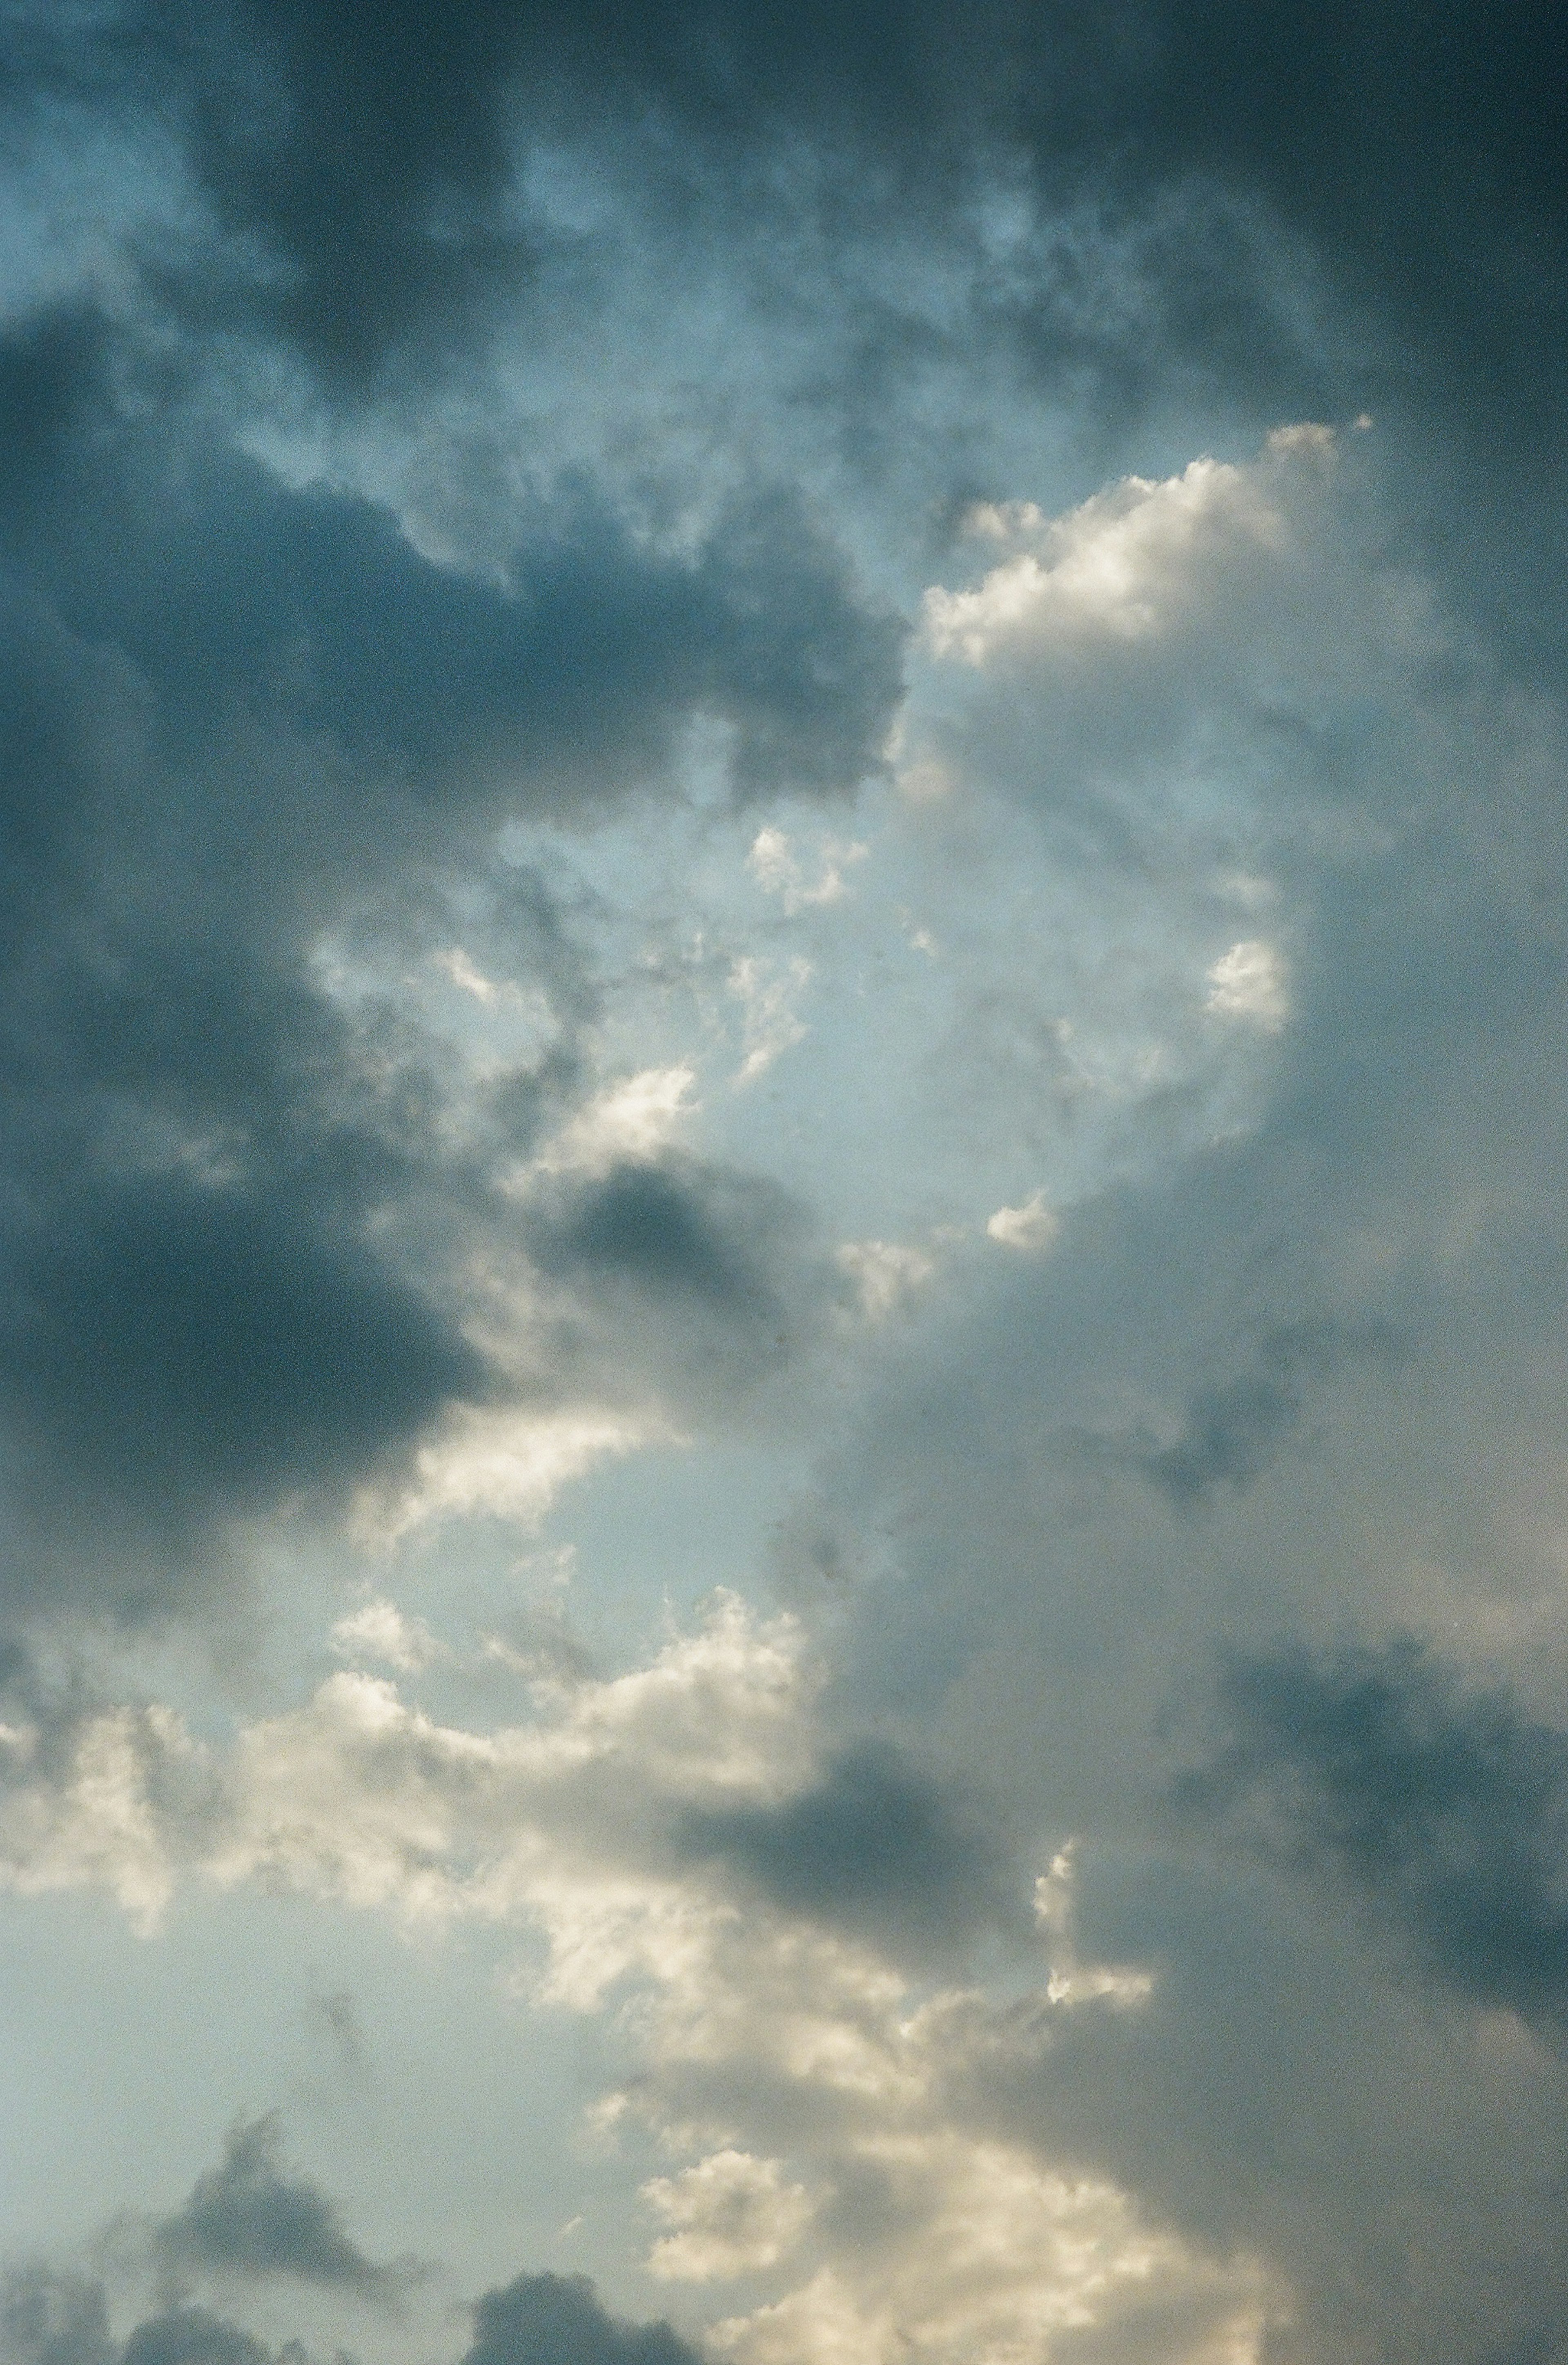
x=783, y=1131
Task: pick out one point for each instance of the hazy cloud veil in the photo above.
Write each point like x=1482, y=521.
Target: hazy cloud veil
x=783, y=1518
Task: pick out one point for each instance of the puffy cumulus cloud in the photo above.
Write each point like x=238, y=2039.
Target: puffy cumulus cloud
x=1004, y=2262
x=1294, y=1379
x=757, y=1916
x=1247, y=982
x=1148, y=666
x=1031, y=1227
x=1130, y=564
x=730, y=2214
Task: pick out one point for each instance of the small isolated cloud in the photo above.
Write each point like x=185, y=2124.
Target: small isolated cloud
x=1031, y=1229
x=1249, y=981
x=456, y=966
x=253, y=2216
x=730, y=2214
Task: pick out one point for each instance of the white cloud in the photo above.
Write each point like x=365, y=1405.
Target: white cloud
x=503, y=1463
x=1249, y=981
x=730, y=2214
x=456, y=965
x=776, y=866
x=634, y=1118
x=747, y=2018
x=1031, y=1229
x=769, y=1023
x=378, y=1630
x=103, y=1818
x=1123, y=565
x=993, y=2257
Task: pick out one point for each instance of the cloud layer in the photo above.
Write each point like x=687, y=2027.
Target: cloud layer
x=782, y=804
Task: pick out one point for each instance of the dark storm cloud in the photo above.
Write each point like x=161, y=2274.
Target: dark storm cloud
x=557, y=2320
x=686, y=1231
x=235, y=713
x=875, y=1845
x=251, y=2215
x=222, y=587
x=1444, y=1807
x=363, y=192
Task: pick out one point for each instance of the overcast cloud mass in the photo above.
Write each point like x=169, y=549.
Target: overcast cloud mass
x=783, y=1131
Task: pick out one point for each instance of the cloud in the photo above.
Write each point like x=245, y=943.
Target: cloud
x=665, y=1230
x=1248, y=983
x=378, y=215
x=257, y=737
x=379, y=1631
x=53, y=2319
x=873, y=1845
x=1031, y=1228
x=251, y=2216
x=1441, y=1806
x=424, y=449
x=730, y=2214
x=557, y=2320
x=48, y=2318
x=1129, y=566
x=748, y=1901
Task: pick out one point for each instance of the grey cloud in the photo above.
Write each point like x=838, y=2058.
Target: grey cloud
x=251, y=2216
x=48, y=2318
x=1444, y=1807
x=693, y=1231
x=1395, y=2166
x=1232, y=1430
x=194, y=2335
x=568, y=669
x=53, y=2319
x=557, y=2320
x=366, y=210
x=875, y=1846
x=238, y=714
